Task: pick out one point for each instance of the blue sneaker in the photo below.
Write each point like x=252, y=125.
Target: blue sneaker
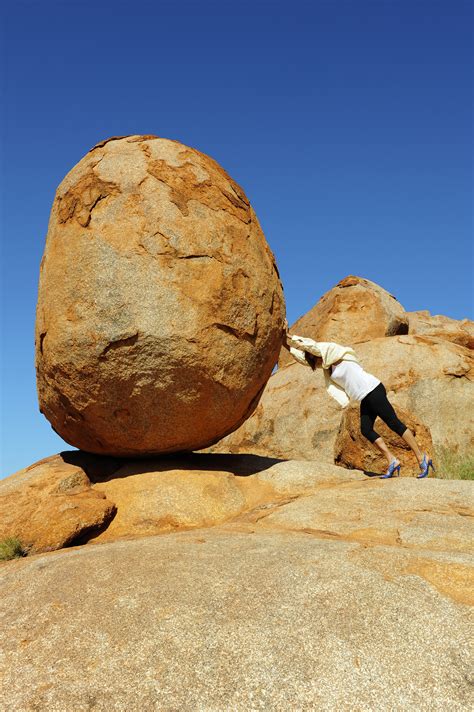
x=393, y=467
x=425, y=467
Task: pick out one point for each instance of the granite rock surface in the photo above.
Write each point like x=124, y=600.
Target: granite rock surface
x=160, y=308
x=355, y=310
x=247, y=619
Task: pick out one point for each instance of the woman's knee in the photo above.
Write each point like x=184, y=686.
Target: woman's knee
x=396, y=425
x=368, y=432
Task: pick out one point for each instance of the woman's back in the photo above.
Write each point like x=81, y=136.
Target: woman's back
x=353, y=379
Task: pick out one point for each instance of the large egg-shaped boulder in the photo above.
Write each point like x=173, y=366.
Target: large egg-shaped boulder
x=160, y=308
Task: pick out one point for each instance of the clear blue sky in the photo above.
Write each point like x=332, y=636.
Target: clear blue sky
x=348, y=124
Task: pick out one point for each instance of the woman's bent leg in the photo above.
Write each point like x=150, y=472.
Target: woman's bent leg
x=410, y=439
x=380, y=403
x=367, y=420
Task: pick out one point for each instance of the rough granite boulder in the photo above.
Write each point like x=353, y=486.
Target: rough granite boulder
x=355, y=310
x=442, y=327
x=351, y=448
x=160, y=308
x=50, y=504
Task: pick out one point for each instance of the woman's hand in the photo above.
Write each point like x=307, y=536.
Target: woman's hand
x=285, y=334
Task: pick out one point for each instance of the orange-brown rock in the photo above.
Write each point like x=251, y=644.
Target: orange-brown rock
x=73, y=497
x=160, y=309
x=355, y=310
x=295, y=419
x=351, y=448
x=320, y=591
x=442, y=327
x=50, y=504
x=431, y=378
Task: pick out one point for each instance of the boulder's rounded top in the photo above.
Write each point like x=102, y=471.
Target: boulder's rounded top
x=132, y=138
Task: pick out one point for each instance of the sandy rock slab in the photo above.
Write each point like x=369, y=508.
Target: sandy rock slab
x=421, y=515
x=75, y=497
x=228, y=620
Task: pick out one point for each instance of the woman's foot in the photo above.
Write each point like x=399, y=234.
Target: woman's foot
x=393, y=468
x=425, y=465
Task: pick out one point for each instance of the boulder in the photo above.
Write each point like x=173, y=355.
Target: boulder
x=353, y=311
x=50, y=505
x=352, y=450
x=430, y=378
x=442, y=327
x=160, y=308
x=299, y=609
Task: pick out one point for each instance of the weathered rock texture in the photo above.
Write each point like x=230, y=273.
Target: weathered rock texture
x=160, y=308
x=431, y=378
x=295, y=419
x=351, y=449
x=296, y=605
x=442, y=327
x=355, y=310
x=73, y=497
x=51, y=504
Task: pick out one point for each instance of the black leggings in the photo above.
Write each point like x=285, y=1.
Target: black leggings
x=376, y=404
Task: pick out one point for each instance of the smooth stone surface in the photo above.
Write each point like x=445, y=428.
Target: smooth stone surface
x=228, y=620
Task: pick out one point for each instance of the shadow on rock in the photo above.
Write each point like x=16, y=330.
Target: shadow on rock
x=100, y=468
x=372, y=474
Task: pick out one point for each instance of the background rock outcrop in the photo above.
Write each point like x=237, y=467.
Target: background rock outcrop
x=296, y=418
x=160, y=308
x=355, y=310
x=442, y=327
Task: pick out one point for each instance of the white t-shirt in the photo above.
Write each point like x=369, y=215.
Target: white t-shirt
x=355, y=381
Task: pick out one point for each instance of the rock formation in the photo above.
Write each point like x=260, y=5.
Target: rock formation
x=295, y=600
x=160, y=309
x=352, y=450
x=431, y=378
x=425, y=372
x=355, y=310
x=442, y=327
x=295, y=419
x=50, y=505
x=75, y=497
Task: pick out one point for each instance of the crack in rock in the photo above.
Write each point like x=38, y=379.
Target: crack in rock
x=118, y=343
